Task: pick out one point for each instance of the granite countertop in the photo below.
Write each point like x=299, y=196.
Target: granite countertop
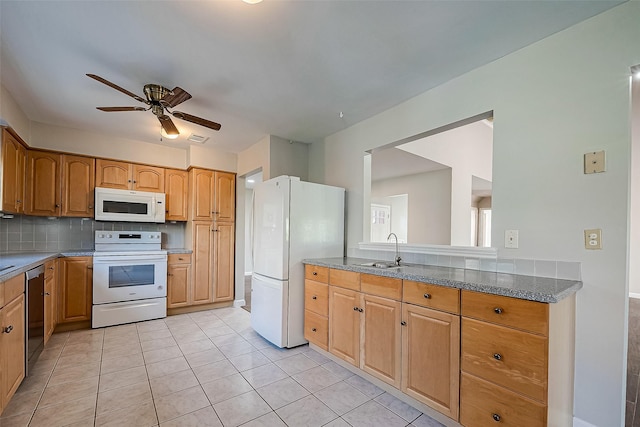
x=12, y=264
x=541, y=289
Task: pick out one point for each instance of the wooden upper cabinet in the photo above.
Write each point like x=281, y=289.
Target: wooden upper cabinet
x=78, y=183
x=147, y=178
x=129, y=176
x=112, y=174
x=43, y=184
x=13, y=173
x=201, y=193
x=176, y=184
x=225, y=196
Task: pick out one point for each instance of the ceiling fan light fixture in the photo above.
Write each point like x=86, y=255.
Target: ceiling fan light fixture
x=168, y=135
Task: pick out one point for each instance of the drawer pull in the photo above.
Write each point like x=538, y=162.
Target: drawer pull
x=314, y=329
x=495, y=417
x=498, y=310
x=8, y=329
x=315, y=273
x=497, y=356
x=427, y=296
x=314, y=297
x=403, y=323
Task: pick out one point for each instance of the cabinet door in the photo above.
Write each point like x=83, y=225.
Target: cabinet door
x=201, y=182
x=177, y=187
x=344, y=324
x=76, y=290
x=178, y=280
x=148, y=178
x=43, y=183
x=202, y=279
x=225, y=196
x=112, y=174
x=431, y=358
x=13, y=174
x=12, y=348
x=382, y=339
x=78, y=183
x=223, y=266
x=50, y=298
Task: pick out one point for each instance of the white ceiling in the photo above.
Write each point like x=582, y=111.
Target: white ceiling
x=284, y=68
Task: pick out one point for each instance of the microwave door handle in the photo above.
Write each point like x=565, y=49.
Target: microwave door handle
x=154, y=203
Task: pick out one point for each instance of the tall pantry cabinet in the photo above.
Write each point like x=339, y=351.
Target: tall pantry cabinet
x=211, y=235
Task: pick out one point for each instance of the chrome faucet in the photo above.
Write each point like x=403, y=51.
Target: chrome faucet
x=398, y=259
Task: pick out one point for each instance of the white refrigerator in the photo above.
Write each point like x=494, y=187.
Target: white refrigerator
x=292, y=220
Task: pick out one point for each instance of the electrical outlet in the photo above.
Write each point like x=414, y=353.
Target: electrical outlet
x=511, y=239
x=594, y=162
x=593, y=238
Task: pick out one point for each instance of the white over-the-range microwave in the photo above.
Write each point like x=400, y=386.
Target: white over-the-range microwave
x=127, y=205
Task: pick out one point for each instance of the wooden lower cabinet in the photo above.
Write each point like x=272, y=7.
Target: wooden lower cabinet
x=431, y=358
x=223, y=262
x=202, y=275
x=12, y=341
x=382, y=333
x=75, y=289
x=178, y=280
x=50, y=298
x=344, y=324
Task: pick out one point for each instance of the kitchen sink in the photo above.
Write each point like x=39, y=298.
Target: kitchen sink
x=380, y=264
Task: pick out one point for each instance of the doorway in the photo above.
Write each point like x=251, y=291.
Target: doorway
x=251, y=180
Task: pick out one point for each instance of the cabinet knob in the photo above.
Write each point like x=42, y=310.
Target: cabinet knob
x=403, y=323
x=427, y=296
x=360, y=310
x=8, y=329
x=57, y=205
x=135, y=182
x=314, y=297
x=315, y=273
x=169, y=274
x=90, y=267
x=46, y=294
x=313, y=329
x=498, y=310
x=496, y=417
x=213, y=212
x=180, y=259
x=50, y=268
x=18, y=201
x=355, y=308
x=128, y=180
x=497, y=356
x=90, y=207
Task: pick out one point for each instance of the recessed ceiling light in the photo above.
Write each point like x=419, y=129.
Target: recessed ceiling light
x=252, y=1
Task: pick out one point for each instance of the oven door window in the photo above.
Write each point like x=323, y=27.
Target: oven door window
x=110, y=206
x=131, y=275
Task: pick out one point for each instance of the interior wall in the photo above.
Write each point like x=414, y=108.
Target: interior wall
x=429, y=210
x=553, y=101
x=211, y=158
x=12, y=115
x=255, y=158
x=634, y=217
x=248, y=203
x=288, y=158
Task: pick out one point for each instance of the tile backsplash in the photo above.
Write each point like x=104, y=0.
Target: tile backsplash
x=29, y=233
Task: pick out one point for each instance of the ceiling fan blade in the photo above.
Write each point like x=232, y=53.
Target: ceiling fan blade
x=110, y=109
x=196, y=120
x=179, y=96
x=118, y=88
x=168, y=126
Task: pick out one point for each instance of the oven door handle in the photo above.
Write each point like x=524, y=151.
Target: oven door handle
x=99, y=259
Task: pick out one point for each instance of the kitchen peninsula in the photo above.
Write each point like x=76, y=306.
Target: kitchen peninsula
x=478, y=347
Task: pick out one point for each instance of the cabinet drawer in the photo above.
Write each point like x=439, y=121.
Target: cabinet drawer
x=431, y=296
x=13, y=288
x=344, y=279
x=485, y=404
x=316, y=329
x=316, y=297
x=387, y=287
x=521, y=314
x=316, y=273
x=514, y=359
x=179, y=259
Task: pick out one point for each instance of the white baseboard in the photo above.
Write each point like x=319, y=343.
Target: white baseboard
x=634, y=295
x=577, y=422
x=239, y=303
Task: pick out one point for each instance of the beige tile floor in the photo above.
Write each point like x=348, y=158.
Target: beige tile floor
x=202, y=369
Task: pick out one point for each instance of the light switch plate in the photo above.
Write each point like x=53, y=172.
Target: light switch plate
x=593, y=238
x=594, y=162
x=511, y=239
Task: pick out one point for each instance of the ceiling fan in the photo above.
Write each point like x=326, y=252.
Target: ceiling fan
x=159, y=99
